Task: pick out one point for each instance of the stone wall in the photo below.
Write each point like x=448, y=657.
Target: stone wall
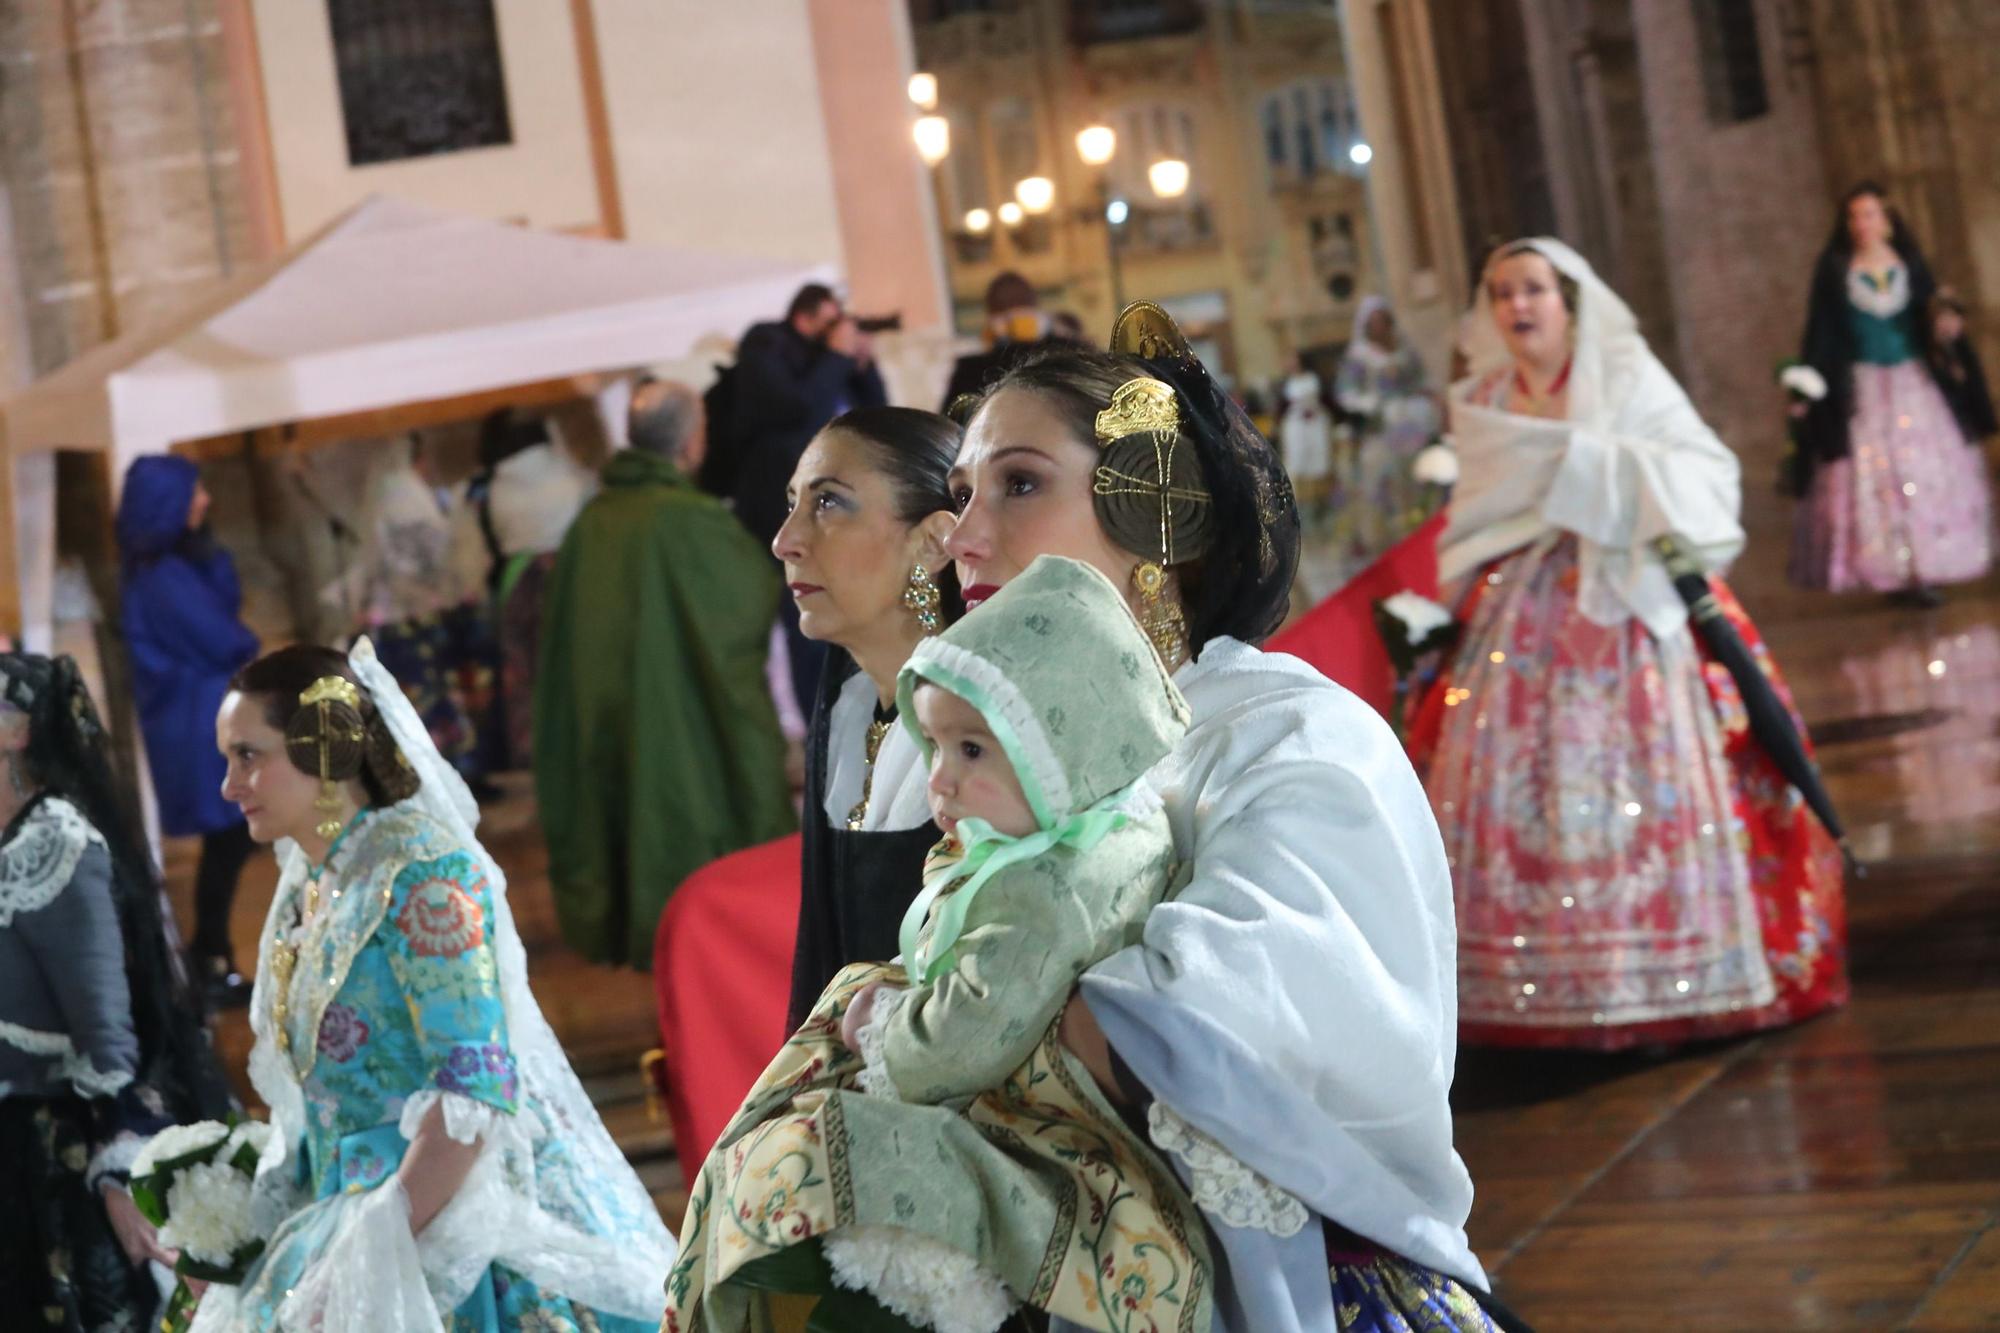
x=118, y=162
x=1910, y=96
x=119, y=158
x=1743, y=212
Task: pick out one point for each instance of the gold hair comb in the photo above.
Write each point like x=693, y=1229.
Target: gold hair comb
x=1140, y=407
x=334, y=690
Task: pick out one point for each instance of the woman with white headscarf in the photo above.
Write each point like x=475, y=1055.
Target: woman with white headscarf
x=1629, y=867
x=1384, y=388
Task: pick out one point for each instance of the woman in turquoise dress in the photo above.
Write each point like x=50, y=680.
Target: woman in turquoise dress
x=436, y=1166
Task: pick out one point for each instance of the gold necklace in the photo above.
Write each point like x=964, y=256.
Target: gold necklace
x=878, y=730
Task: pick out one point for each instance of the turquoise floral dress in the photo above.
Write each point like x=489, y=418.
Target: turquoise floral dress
x=385, y=1014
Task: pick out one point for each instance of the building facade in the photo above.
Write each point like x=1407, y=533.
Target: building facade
x=1268, y=249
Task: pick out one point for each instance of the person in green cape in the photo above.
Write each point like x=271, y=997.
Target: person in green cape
x=657, y=747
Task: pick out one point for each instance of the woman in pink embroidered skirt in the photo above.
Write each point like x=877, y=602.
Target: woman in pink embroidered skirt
x=1629, y=867
x=1898, y=500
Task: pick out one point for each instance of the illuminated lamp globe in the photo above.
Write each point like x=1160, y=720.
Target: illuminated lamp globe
x=1096, y=144
x=1169, y=177
x=1035, y=194
x=933, y=136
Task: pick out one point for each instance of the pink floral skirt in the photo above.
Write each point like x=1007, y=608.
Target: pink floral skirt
x=1628, y=865
x=1909, y=506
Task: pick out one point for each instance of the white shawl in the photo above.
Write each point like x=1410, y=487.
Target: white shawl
x=1297, y=1001
x=898, y=796
x=1633, y=461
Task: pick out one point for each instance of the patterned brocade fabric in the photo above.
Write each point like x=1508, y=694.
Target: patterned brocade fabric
x=420, y=1010
x=1389, y=1295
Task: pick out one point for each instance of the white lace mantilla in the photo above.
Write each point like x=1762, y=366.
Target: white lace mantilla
x=71, y=1064
x=1224, y=1188
x=38, y=863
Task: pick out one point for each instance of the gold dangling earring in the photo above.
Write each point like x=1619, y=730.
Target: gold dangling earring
x=921, y=596
x=1160, y=615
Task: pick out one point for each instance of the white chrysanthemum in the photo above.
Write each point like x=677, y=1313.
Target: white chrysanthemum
x=1436, y=465
x=1418, y=615
x=208, y=1212
x=178, y=1141
x=1804, y=381
x=255, y=1133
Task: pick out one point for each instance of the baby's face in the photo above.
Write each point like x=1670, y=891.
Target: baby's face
x=970, y=775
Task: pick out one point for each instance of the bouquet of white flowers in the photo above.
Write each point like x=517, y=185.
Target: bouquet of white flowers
x=1412, y=626
x=1436, y=464
x=193, y=1183
x=1801, y=380
x=1803, y=387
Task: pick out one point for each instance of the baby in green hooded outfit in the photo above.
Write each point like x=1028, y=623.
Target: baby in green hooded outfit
x=925, y=1127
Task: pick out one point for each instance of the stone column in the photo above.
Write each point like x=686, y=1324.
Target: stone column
x=1412, y=198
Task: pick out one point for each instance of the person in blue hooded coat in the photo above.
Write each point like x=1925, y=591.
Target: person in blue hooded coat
x=180, y=616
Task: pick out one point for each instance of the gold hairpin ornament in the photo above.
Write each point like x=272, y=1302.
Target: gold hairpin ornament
x=1140, y=407
x=322, y=694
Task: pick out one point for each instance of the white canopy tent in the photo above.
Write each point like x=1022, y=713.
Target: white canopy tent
x=391, y=305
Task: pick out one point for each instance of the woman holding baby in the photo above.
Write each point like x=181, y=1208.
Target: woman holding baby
x=1283, y=1026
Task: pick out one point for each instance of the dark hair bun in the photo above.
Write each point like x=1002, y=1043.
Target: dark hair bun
x=357, y=744
x=1149, y=493
x=327, y=739
x=390, y=777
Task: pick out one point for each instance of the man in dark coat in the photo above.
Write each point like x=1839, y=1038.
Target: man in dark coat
x=179, y=611
x=791, y=378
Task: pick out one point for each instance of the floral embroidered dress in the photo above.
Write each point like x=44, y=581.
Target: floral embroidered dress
x=382, y=989
x=966, y=1163
x=1629, y=865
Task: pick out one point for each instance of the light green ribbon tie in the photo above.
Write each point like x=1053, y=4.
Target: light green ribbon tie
x=987, y=853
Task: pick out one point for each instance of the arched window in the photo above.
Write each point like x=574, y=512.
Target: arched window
x=1311, y=126
x=1147, y=132
x=963, y=180
x=1017, y=150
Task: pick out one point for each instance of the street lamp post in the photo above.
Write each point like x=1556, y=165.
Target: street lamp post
x=1097, y=145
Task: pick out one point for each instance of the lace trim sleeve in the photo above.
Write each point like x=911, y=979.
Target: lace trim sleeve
x=874, y=1077
x=71, y=1064
x=113, y=1162
x=38, y=864
x=1223, y=1187
x=466, y=1120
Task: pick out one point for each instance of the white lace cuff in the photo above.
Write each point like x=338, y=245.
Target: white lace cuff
x=114, y=1160
x=70, y=1063
x=1221, y=1185
x=874, y=1076
x=466, y=1120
